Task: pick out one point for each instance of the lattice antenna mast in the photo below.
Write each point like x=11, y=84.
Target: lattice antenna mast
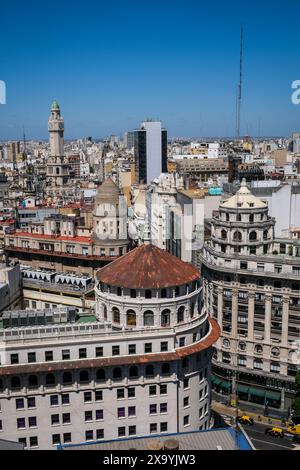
x=239, y=90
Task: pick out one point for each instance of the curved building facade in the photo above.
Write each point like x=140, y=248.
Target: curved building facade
x=252, y=288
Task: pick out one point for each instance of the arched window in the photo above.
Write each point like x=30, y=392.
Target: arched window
x=84, y=376
x=265, y=235
x=223, y=234
x=192, y=312
x=237, y=236
x=242, y=345
x=226, y=343
x=253, y=236
x=165, y=317
x=227, y=217
x=67, y=378
x=15, y=382
x=131, y=318
x=119, y=291
x=50, y=379
x=148, y=318
x=133, y=372
x=116, y=315
x=149, y=371
x=133, y=293
x=104, y=310
x=239, y=218
x=32, y=381
x=177, y=291
x=163, y=293
x=180, y=314
x=148, y=294
x=258, y=348
x=100, y=375
x=1, y=384
x=117, y=373
x=275, y=352
x=251, y=218
x=165, y=368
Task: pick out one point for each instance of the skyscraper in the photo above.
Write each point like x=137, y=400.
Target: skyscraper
x=150, y=151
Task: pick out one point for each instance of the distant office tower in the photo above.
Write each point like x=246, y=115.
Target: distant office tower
x=129, y=140
x=150, y=151
x=233, y=166
x=13, y=151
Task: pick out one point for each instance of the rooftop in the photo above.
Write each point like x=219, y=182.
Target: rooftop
x=243, y=199
x=148, y=267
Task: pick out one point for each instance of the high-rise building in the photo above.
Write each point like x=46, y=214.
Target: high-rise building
x=150, y=151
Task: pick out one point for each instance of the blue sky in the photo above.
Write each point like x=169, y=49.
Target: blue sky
x=111, y=64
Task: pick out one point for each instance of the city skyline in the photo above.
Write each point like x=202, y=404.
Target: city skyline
x=111, y=66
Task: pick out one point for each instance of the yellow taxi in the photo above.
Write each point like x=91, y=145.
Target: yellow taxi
x=276, y=432
x=294, y=429
x=245, y=419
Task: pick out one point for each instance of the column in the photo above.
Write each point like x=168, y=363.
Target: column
x=234, y=313
x=220, y=307
x=285, y=321
x=251, y=298
x=268, y=312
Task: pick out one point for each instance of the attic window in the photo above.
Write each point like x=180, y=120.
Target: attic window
x=251, y=204
x=239, y=204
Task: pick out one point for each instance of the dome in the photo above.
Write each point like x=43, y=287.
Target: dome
x=108, y=192
x=243, y=199
x=148, y=267
x=55, y=105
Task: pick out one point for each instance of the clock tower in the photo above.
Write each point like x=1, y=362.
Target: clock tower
x=56, y=131
x=57, y=165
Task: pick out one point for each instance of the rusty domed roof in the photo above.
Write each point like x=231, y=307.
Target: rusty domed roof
x=147, y=267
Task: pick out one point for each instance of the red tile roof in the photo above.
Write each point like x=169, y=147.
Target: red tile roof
x=148, y=267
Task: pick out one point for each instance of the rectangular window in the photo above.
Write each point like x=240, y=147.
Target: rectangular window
x=65, y=399
x=53, y=400
x=185, y=384
x=87, y=397
x=163, y=407
x=67, y=437
x=120, y=393
x=153, y=428
x=115, y=350
x=21, y=423
x=33, y=441
x=164, y=427
x=121, y=412
x=186, y=402
x=131, y=411
x=152, y=390
x=99, y=414
x=65, y=354
x=31, y=402
x=82, y=353
x=186, y=420
x=132, y=430
x=23, y=440
x=182, y=341
x=88, y=416
x=19, y=403
x=164, y=346
x=99, y=351
x=32, y=422
x=132, y=349
x=14, y=358
x=55, y=439
x=100, y=434
x=48, y=356
x=121, y=431
x=31, y=356
x=98, y=395
x=152, y=409
x=89, y=435
x=54, y=419
x=148, y=348
x=66, y=418
x=163, y=389
x=131, y=392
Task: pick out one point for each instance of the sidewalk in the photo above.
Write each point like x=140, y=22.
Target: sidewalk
x=230, y=411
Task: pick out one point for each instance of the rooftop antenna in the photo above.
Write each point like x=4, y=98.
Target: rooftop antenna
x=239, y=89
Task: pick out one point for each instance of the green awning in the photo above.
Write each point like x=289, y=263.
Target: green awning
x=273, y=395
x=225, y=384
x=242, y=388
x=215, y=380
x=257, y=392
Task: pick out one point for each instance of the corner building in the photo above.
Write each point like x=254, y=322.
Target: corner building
x=141, y=366
x=252, y=288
